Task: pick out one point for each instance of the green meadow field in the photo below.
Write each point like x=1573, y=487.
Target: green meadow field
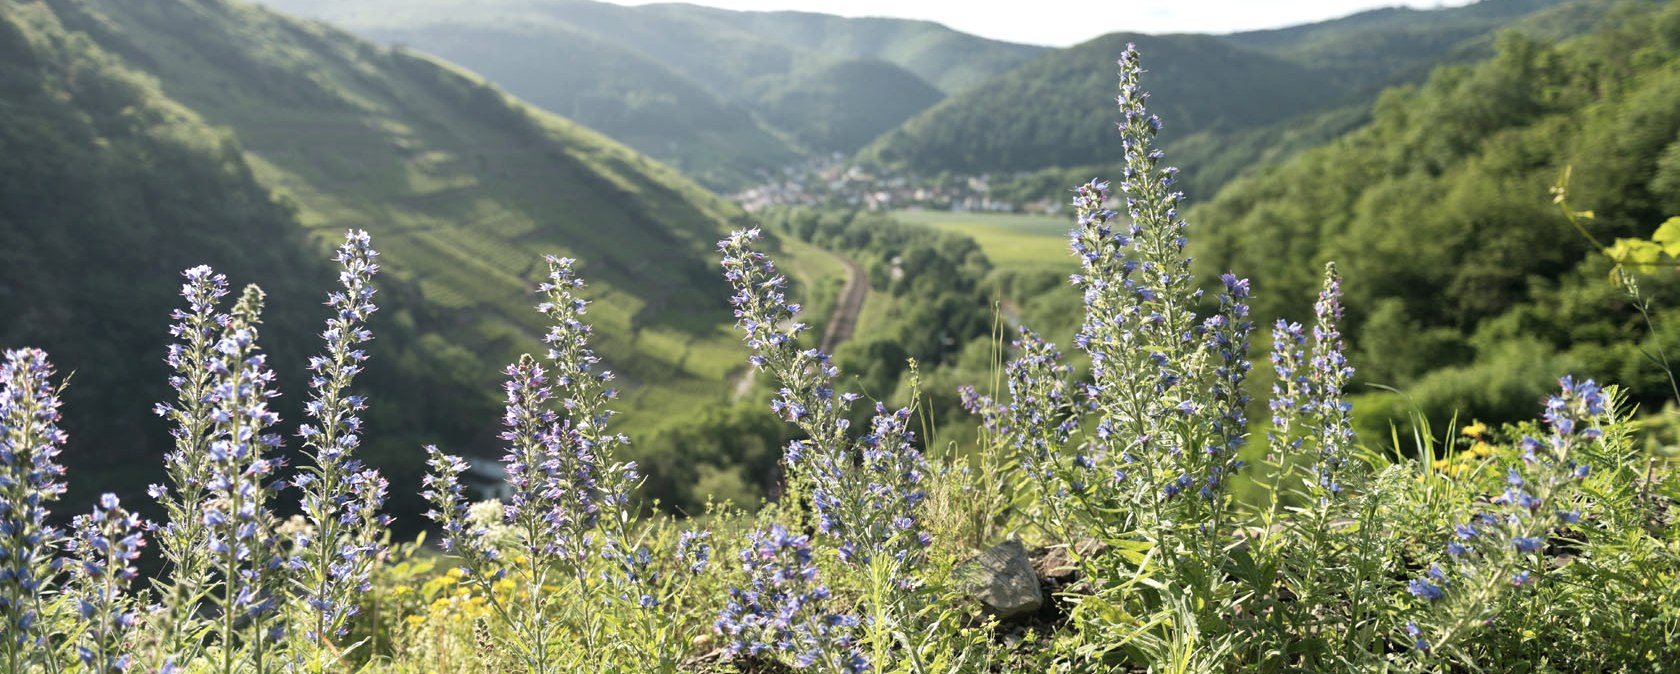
x=1013, y=241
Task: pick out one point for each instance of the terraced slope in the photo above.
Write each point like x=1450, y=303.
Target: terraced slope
x=167, y=132
x=464, y=188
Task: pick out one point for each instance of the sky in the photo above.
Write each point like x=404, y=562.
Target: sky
x=1060, y=23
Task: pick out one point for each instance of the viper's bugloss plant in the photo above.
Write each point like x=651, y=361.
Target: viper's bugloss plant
x=1503, y=547
x=249, y=560
x=1036, y=425
x=181, y=537
x=806, y=395
x=1331, y=414
x=341, y=498
x=549, y=535
x=1166, y=388
x=784, y=609
x=567, y=513
x=1141, y=455
x=30, y=478
x=865, y=492
x=103, y=551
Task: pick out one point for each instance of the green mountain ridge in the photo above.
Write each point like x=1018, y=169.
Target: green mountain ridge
x=793, y=84
x=1050, y=112
x=1233, y=101
x=948, y=59
x=822, y=110
x=200, y=109
x=614, y=90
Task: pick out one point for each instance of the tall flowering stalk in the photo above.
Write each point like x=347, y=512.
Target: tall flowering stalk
x=866, y=492
x=1332, y=415
x=1167, y=386
x=181, y=538
x=867, y=510
x=1505, y=546
x=545, y=526
x=30, y=478
x=783, y=611
x=107, y=542
x=770, y=325
x=341, y=499
x=598, y=488
x=239, y=527
x=568, y=503
x=462, y=539
x=602, y=483
x=1311, y=435
x=1037, y=424
x=1309, y=411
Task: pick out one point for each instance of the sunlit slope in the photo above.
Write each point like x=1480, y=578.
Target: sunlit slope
x=463, y=188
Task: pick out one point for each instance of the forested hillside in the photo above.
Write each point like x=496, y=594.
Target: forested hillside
x=108, y=189
x=764, y=86
x=142, y=137
x=1231, y=101
x=1467, y=286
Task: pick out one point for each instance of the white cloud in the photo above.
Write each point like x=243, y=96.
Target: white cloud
x=1065, y=22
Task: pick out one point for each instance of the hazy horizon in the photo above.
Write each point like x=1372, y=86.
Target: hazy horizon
x=1027, y=23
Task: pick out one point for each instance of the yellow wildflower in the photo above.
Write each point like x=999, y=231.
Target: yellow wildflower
x=1474, y=430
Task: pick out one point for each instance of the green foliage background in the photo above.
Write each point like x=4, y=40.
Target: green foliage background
x=1467, y=287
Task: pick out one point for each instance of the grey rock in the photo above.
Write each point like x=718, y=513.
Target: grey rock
x=1003, y=580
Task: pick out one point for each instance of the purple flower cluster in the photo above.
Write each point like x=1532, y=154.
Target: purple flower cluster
x=694, y=548
x=197, y=329
x=1504, y=546
x=341, y=498
x=107, y=541
x=1307, y=400
x=1225, y=336
x=551, y=504
x=599, y=484
x=30, y=478
x=1167, y=386
x=865, y=496
x=181, y=538
x=783, y=609
x=442, y=488
x=771, y=328
x=1330, y=373
x=872, y=506
x=1039, y=418
x=1291, y=390
x=238, y=524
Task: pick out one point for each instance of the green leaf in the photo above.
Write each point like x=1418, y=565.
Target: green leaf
x=1635, y=252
